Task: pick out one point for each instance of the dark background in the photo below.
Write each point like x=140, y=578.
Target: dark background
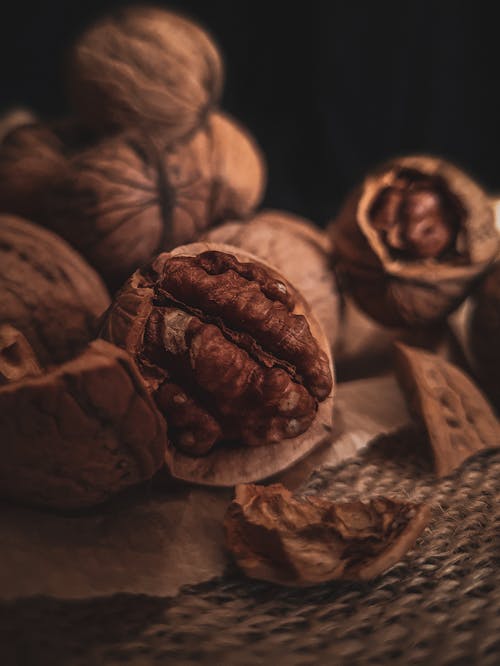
x=329, y=89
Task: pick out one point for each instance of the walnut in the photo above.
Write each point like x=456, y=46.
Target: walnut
x=307, y=540
x=484, y=338
x=123, y=199
x=74, y=436
x=144, y=67
x=48, y=291
x=31, y=159
x=233, y=358
x=411, y=242
x=296, y=249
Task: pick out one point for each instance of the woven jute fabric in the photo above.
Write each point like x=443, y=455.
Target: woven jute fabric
x=439, y=605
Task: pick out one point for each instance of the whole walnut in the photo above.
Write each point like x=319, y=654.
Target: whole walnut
x=31, y=159
x=233, y=358
x=124, y=200
x=49, y=293
x=144, y=67
x=412, y=240
x=296, y=249
x=72, y=437
x=484, y=334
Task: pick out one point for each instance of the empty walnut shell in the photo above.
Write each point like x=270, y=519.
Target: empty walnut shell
x=296, y=249
x=233, y=357
x=76, y=435
x=411, y=242
x=145, y=67
x=124, y=200
x=49, y=293
x=484, y=334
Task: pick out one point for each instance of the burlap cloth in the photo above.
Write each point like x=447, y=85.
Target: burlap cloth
x=440, y=605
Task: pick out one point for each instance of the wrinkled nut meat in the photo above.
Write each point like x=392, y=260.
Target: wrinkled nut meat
x=411, y=242
x=458, y=418
x=74, y=436
x=124, y=199
x=307, y=540
x=145, y=67
x=297, y=250
x=221, y=348
x=49, y=293
x=484, y=339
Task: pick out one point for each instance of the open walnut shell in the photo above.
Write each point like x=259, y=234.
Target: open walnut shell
x=301, y=541
x=144, y=67
x=234, y=359
x=74, y=436
x=411, y=242
x=296, y=249
x=49, y=293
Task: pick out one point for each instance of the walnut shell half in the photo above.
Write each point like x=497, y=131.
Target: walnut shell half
x=83, y=431
x=49, y=293
x=144, y=67
x=412, y=241
x=233, y=357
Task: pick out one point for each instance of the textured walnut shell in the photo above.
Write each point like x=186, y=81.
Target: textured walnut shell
x=307, y=540
x=239, y=169
x=399, y=292
x=484, y=334
x=31, y=159
x=49, y=293
x=145, y=67
x=458, y=418
x=297, y=250
x=76, y=435
x=124, y=200
x=210, y=392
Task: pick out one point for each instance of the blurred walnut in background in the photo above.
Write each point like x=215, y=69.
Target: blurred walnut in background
x=147, y=163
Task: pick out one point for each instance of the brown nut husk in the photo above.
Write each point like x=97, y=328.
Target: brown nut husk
x=125, y=199
x=382, y=254
x=73, y=437
x=49, y=293
x=457, y=416
x=484, y=334
x=233, y=357
x=144, y=67
x=300, y=541
x=296, y=249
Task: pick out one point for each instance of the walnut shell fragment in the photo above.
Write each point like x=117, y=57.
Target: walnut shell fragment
x=300, y=541
x=233, y=357
x=412, y=241
x=296, y=249
x=49, y=293
x=484, y=337
x=148, y=68
x=76, y=435
x=458, y=418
